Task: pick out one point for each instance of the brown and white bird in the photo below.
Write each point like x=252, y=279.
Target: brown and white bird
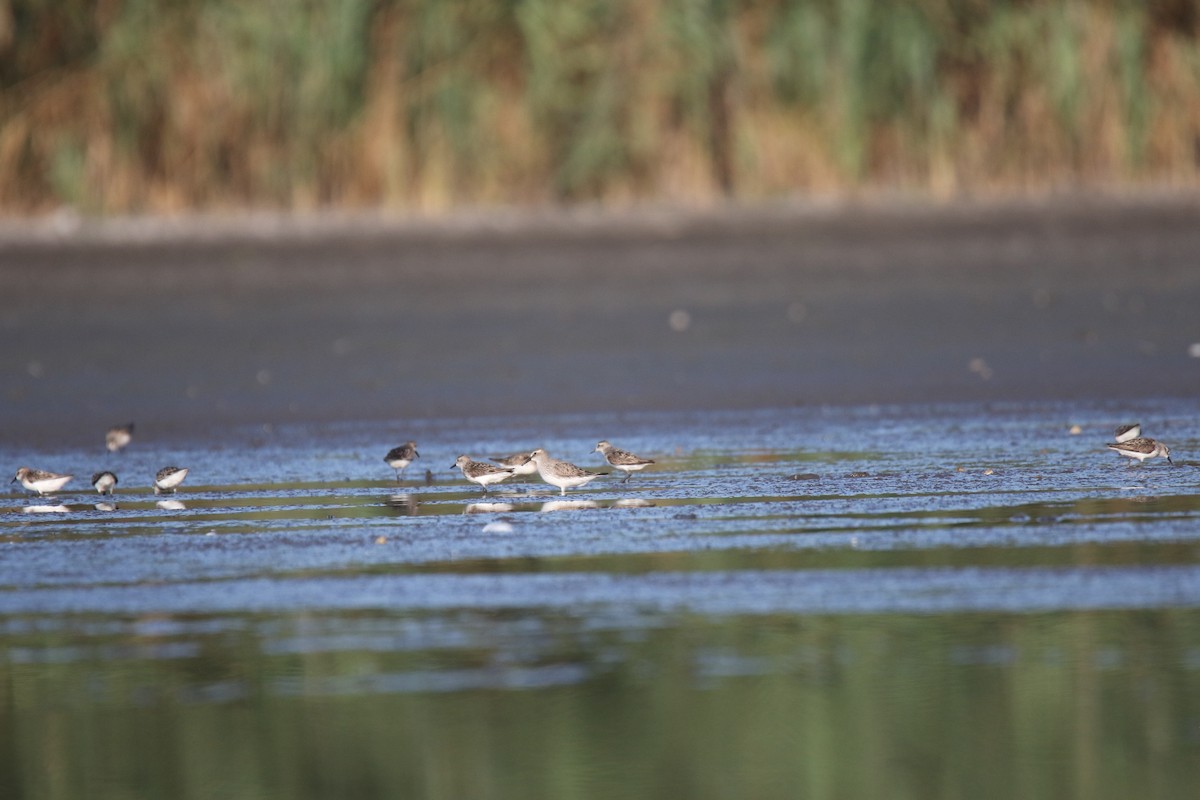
x=40, y=481
x=168, y=479
x=561, y=473
x=400, y=457
x=118, y=437
x=104, y=482
x=1142, y=448
x=481, y=473
x=1126, y=432
x=519, y=462
x=623, y=460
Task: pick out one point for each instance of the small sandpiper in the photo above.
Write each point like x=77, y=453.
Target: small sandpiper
x=118, y=437
x=560, y=473
x=1126, y=432
x=168, y=479
x=519, y=462
x=622, y=459
x=40, y=481
x=481, y=473
x=400, y=457
x=104, y=482
x=1142, y=448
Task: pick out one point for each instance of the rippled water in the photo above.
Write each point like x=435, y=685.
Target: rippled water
x=903, y=601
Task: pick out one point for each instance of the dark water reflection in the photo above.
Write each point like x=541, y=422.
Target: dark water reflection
x=942, y=611
x=1089, y=704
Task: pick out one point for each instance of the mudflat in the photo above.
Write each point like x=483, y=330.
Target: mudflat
x=184, y=325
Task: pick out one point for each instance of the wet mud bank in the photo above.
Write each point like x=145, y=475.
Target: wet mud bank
x=188, y=325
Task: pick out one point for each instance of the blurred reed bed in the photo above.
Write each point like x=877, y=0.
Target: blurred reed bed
x=157, y=105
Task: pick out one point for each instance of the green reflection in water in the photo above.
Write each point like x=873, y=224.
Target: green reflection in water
x=334, y=506
x=1088, y=705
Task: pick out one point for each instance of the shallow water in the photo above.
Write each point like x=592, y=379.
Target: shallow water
x=925, y=601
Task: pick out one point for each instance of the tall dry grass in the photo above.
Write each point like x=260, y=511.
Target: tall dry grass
x=163, y=105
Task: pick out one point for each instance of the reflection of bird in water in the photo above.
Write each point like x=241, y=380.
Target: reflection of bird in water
x=407, y=503
x=118, y=437
x=568, y=505
x=44, y=509
x=400, y=457
x=487, y=508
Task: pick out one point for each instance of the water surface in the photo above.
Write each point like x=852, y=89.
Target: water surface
x=903, y=601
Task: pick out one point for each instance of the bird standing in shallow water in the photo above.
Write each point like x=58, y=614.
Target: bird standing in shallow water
x=168, y=479
x=481, y=473
x=40, y=481
x=104, y=482
x=623, y=460
x=518, y=462
x=1142, y=448
x=561, y=473
x=118, y=437
x=400, y=457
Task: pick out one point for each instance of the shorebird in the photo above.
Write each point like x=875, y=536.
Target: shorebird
x=481, y=473
x=1142, y=448
x=560, y=473
x=104, y=482
x=519, y=462
x=118, y=437
x=622, y=459
x=400, y=457
x=1126, y=432
x=168, y=479
x=40, y=481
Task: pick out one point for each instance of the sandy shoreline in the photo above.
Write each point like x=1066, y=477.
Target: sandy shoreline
x=187, y=324
x=68, y=227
